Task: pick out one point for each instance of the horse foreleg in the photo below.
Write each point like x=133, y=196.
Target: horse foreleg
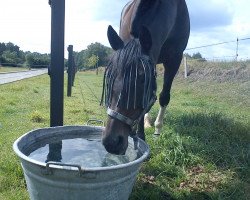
x=147, y=121
x=171, y=67
x=159, y=120
x=140, y=129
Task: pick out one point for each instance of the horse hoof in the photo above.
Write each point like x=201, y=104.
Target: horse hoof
x=156, y=137
x=157, y=133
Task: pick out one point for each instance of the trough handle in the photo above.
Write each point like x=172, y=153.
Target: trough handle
x=82, y=173
x=62, y=165
x=96, y=121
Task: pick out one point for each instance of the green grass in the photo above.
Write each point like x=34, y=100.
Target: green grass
x=4, y=69
x=203, y=152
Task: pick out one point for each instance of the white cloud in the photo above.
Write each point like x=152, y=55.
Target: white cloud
x=228, y=20
x=27, y=23
x=87, y=21
x=205, y=15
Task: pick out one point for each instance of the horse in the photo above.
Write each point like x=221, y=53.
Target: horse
x=151, y=32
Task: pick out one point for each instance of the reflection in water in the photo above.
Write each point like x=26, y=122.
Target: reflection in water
x=55, y=152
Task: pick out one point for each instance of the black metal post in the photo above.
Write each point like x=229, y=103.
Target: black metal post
x=70, y=70
x=56, y=70
x=74, y=72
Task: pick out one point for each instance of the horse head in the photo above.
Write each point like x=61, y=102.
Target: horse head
x=129, y=88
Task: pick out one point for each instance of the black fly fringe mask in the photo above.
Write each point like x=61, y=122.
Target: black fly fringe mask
x=134, y=93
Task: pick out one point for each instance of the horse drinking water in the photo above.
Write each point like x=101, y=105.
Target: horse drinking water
x=151, y=32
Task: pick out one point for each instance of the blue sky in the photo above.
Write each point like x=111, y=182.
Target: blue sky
x=27, y=24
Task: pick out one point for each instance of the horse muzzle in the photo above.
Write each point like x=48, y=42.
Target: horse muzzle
x=115, y=137
x=115, y=145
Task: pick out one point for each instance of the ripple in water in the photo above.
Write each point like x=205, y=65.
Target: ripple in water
x=83, y=152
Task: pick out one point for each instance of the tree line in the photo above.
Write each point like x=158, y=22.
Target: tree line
x=11, y=55
x=195, y=56
x=95, y=55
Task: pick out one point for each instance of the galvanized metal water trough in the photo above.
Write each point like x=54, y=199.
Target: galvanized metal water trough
x=60, y=181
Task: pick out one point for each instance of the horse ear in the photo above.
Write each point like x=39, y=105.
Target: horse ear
x=114, y=40
x=145, y=39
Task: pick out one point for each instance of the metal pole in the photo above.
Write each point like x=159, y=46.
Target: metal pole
x=56, y=70
x=74, y=72
x=70, y=70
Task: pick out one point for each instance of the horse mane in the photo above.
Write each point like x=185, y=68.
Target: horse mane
x=125, y=56
x=125, y=62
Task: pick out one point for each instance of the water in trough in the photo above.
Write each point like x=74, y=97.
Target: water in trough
x=87, y=153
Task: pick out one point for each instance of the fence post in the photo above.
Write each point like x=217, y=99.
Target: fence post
x=97, y=68
x=185, y=67
x=70, y=70
x=74, y=72
x=237, y=49
x=56, y=70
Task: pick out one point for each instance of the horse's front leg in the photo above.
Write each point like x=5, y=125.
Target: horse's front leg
x=140, y=129
x=171, y=67
x=159, y=120
x=147, y=121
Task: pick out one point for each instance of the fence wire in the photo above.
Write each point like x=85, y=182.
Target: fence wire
x=236, y=56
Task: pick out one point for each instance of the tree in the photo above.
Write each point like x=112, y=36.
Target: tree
x=2, y=48
x=187, y=55
x=11, y=54
x=92, y=61
x=9, y=57
x=37, y=60
x=84, y=57
x=99, y=50
x=11, y=47
x=197, y=55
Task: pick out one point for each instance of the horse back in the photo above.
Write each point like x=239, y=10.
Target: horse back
x=167, y=21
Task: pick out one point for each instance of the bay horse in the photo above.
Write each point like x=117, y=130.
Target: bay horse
x=151, y=32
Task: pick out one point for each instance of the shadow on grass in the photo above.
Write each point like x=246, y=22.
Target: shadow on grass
x=219, y=140
x=149, y=191
x=198, y=156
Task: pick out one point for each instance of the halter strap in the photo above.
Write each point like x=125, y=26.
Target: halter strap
x=132, y=123
x=121, y=117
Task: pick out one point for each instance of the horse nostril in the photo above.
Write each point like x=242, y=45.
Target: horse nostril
x=114, y=144
x=117, y=141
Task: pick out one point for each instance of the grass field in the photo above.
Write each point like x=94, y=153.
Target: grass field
x=203, y=152
x=11, y=69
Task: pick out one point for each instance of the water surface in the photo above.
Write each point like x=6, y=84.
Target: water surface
x=80, y=151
